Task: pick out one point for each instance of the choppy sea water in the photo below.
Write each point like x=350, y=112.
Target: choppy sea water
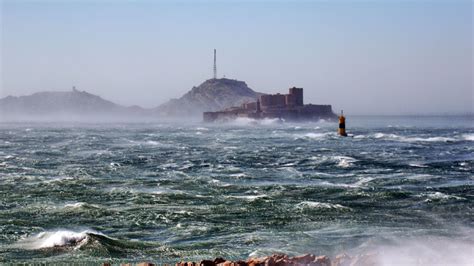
x=400, y=186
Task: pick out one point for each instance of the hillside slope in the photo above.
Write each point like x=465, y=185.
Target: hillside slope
x=211, y=95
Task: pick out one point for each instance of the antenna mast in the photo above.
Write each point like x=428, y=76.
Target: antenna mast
x=215, y=66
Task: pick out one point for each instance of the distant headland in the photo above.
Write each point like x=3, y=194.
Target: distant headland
x=216, y=98
x=211, y=95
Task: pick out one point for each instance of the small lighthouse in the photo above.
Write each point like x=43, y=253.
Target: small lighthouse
x=342, y=125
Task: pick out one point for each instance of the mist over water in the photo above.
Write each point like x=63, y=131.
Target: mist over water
x=400, y=187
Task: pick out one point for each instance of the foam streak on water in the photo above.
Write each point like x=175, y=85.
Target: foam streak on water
x=90, y=192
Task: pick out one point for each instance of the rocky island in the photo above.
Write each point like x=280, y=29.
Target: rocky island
x=211, y=95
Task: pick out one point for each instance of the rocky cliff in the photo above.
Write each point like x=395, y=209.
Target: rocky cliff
x=212, y=95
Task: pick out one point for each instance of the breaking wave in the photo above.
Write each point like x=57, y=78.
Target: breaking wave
x=98, y=244
x=245, y=121
x=345, y=161
x=396, y=137
x=61, y=238
x=469, y=137
x=78, y=205
x=315, y=136
x=320, y=205
x=439, y=196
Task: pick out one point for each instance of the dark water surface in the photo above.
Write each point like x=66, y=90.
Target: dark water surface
x=163, y=192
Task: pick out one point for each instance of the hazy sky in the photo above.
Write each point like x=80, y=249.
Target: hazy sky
x=366, y=57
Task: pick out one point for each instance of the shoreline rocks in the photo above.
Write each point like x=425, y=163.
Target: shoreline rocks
x=282, y=260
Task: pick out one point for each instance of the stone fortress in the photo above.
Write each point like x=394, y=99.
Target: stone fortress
x=287, y=107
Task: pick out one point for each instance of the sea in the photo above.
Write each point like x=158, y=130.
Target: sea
x=400, y=187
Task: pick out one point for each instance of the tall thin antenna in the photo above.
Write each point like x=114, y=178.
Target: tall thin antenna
x=215, y=66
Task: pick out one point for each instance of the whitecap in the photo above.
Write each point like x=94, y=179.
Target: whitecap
x=60, y=238
x=293, y=171
x=78, y=205
x=270, y=121
x=379, y=135
x=362, y=181
x=230, y=148
x=430, y=139
x=315, y=136
x=169, y=165
x=248, y=197
x=420, y=177
x=395, y=137
x=357, y=184
x=239, y=175
x=320, y=205
x=439, y=196
x=469, y=137
x=417, y=165
x=244, y=121
x=344, y=161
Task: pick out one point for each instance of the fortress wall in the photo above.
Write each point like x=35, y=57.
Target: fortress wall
x=272, y=101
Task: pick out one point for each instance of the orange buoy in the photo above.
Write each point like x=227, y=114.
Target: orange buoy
x=342, y=125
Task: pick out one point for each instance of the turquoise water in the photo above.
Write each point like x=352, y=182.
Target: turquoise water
x=167, y=191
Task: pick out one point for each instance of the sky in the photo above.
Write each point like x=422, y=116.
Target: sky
x=366, y=57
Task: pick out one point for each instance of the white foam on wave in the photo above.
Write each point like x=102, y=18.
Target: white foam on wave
x=270, y=121
x=58, y=179
x=420, y=177
x=415, y=164
x=439, y=196
x=430, y=139
x=245, y=121
x=469, y=137
x=395, y=137
x=344, y=161
x=292, y=171
x=169, y=165
x=238, y=175
x=219, y=183
x=78, y=205
x=60, y=238
x=249, y=197
x=315, y=136
x=320, y=205
x=360, y=183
